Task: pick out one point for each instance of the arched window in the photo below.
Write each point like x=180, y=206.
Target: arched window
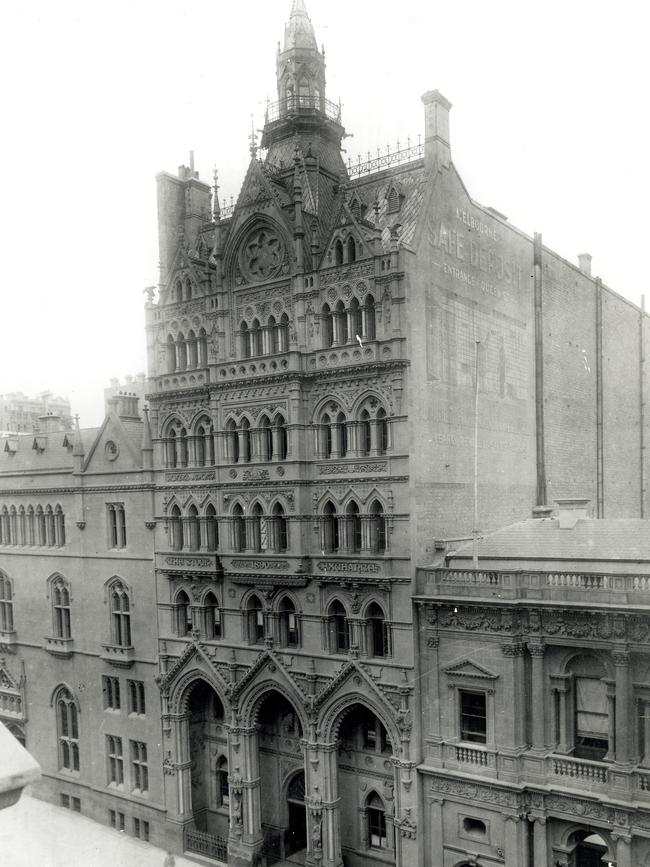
x=175, y=529
x=238, y=529
x=356, y=325
x=204, y=444
x=212, y=617
x=338, y=253
x=59, y=527
x=255, y=620
x=40, y=526
x=193, y=529
x=188, y=289
x=172, y=449
x=202, y=348
x=211, y=528
x=183, y=614
x=382, y=432
x=120, y=607
x=352, y=249
x=245, y=450
x=232, y=442
x=22, y=527
x=67, y=724
x=368, y=318
x=283, y=333
x=181, y=352
x=365, y=438
x=223, y=789
x=6, y=604
x=338, y=629
x=377, y=528
x=245, y=344
x=60, y=608
x=340, y=323
x=266, y=439
x=342, y=434
x=49, y=526
x=377, y=837
x=273, y=337
x=176, y=442
x=31, y=534
x=182, y=447
x=255, y=528
x=326, y=433
x=327, y=326
x=256, y=338
x=353, y=527
x=377, y=636
x=289, y=633
x=171, y=354
x=331, y=540
x=4, y=526
x=178, y=294
x=13, y=526
x=192, y=353
x=280, y=540
x=282, y=440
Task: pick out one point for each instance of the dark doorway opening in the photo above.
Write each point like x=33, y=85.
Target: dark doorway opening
x=296, y=835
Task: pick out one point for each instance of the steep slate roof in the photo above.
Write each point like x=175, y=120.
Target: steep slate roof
x=55, y=455
x=604, y=541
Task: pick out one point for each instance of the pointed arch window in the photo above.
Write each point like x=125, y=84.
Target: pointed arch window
x=181, y=352
x=368, y=318
x=340, y=324
x=342, y=434
x=183, y=613
x=59, y=527
x=352, y=249
x=171, y=354
x=40, y=526
x=338, y=628
x=283, y=333
x=338, y=253
x=353, y=527
x=245, y=450
x=238, y=529
x=255, y=528
x=22, y=526
x=282, y=439
x=288, y=622
x=326, y=433
x=120, y=607
x=31, y=535
x=331, y=537
x=280, y=541
x=327, y=326
x=212, y=528
x=61, y=608
x=266, y=439
x=232, y=442
x=377, y=635
x=175, y=529
x=255, y=338
x=192, y=353
x=382, y=432
x=377, y=528
x=202, y=348
x=377, y=836
x=49, y=526
x=212, y=618
x=67, y=723
x=245, y=345
x=255, y=620
x=6, y=604
x=193, y=529
x=13, y=526
x=204, y=444
x=365, y=430
x=356, y=323
x=223, y=788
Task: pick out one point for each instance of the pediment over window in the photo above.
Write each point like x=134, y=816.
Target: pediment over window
x=466, y=669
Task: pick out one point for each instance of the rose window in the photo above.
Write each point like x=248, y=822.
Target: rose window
x=262, y=254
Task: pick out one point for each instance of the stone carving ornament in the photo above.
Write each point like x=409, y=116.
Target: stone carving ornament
x=261, y=255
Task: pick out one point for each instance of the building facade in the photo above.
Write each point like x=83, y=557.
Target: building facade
x=22, y=414
x=534, y=673
x=313, y=357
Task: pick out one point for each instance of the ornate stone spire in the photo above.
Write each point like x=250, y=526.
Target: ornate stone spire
x=299, y=32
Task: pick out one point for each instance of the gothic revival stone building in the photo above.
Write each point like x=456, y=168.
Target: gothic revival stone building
x=315, y=352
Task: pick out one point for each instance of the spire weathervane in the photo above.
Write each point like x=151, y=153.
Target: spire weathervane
x=253, y=139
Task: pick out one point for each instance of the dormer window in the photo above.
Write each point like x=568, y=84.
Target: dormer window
x=393, y=200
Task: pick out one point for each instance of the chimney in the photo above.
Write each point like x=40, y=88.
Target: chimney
x=436, y=129
x=584, y=263
x=51, y=422
x=127, y=405
x=571, y=510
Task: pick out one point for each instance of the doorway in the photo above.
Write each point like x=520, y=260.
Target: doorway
x=296, y=834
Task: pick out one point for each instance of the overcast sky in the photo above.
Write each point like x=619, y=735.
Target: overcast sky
x=549, y=125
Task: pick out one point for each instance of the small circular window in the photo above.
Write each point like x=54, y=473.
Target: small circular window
x=111, y=450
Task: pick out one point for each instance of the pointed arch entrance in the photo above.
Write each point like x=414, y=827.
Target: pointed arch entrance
x=208, y=757
x=282, y=778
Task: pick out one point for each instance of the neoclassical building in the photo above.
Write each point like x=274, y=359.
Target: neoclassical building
x=315, y=352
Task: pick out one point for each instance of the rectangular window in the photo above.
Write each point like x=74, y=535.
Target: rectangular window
x=111, y=691
x=115, y=760
x=141, y=829
x=116, y=820
x=473, y=717
x=139, y=767
x=116, y=525
x=65, y=801
x=136, y=697
x=592, y=719
x=76, y=804
x=377, y=828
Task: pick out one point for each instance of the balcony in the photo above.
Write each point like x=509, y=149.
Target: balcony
x=302, y=105
x=118, y=655
x=62, y=647
x=551, y=586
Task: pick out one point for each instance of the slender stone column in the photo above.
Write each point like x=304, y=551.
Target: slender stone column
x=562, y=746
x=537, y=691
x=436, y=845
x=623, y=850
x=540, y=843
x=512, y=841
x=623, y=747
x=611, y=721
x=646, y=732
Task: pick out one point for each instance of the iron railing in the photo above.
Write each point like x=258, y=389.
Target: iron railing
x=293, y=105
x=385, y=160
x=205, y=844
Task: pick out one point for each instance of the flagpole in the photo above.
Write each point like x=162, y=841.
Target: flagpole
x=475, y=527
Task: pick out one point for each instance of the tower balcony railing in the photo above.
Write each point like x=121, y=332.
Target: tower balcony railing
x=296, y=105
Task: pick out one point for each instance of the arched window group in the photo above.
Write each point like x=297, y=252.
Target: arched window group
x=204, y=616
x=6, y=604
x=119, y=600
x=363, y=435
x=60, y=595
x=193, y=531
x=67, y=724
x=371, y=630
x=341, y=324
x=195, y=449
x=183, y=290
x=350, y=531
x=268, y=441
x=187, y=351
x=268, y=339
x=282, y=623
x=258, y=531
x=345, y=251
x=41, y=527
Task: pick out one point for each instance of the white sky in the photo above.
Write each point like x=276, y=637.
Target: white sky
x=549, y=126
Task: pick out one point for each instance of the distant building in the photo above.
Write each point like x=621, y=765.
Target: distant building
x=534, y=673
x=315, y=353
x=22, y=414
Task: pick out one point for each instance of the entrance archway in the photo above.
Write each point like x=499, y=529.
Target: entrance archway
x=297, y=827
x=590, y=850
x=208, y=754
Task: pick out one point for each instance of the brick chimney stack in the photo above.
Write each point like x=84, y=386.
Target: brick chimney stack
x=436, y=129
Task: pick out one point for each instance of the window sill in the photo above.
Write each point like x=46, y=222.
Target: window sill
x=121, y=657
x=62, y=647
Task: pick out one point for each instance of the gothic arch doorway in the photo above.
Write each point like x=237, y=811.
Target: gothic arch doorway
x=208, y=753
x=297, y=817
